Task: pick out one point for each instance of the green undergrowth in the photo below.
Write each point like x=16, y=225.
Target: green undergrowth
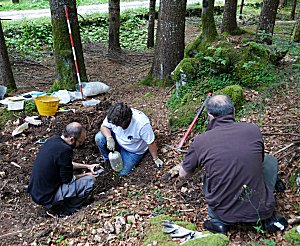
x=5, y=115
x=292, y=236
x=210, y=67
x=154, y=233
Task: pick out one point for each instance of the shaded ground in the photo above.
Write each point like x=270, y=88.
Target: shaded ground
x=142, y=195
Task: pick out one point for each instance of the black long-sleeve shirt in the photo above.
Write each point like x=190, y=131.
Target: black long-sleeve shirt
x=52, y=167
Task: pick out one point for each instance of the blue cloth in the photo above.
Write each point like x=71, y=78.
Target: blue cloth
x=130, y=160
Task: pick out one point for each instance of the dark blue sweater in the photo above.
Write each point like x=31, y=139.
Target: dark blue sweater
x=52, y=167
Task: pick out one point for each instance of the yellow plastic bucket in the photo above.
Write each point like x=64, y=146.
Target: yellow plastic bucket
x=47, y=105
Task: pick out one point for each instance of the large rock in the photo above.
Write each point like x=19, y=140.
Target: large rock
x=154, y=234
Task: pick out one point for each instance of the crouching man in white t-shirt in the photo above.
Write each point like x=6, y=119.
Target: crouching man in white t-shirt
x=129, y=132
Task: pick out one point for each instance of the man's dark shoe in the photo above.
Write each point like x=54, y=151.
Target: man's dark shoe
x=216, y=227
x=279, y=185
x=275, y=223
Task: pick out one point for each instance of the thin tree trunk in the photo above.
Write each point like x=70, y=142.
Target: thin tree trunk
x=267, y=19
x=209, y=31
x=229, y=23
x=241, y=9
x=151, y=22
x=169, y=48
x=64, y=60
x=293, y=11
x=114, y=26
x=296, y=33
x=5, y=67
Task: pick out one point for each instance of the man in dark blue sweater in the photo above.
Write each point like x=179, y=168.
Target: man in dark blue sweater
x=52, y=182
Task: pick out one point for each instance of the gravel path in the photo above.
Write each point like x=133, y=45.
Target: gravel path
x=87, y=9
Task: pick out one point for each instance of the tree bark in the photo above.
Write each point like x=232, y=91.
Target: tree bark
x=66, y=77
x=114, y=26
x=267, y=19
x=296, y=33
x=229, y=23
x=151, y=22
x=209, y=31
x=169, y=48
x=5, y=67
x=293, y=11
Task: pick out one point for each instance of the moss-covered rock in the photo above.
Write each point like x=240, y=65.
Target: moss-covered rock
x=188, y=66
x=292, y=236
x=235, y=92
x=154, y=233
x=192, y=48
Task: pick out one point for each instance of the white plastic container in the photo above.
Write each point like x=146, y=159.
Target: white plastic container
x=115, y=160
x=15, y=105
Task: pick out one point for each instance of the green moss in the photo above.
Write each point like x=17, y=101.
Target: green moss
x=188, y=66
x=154, y=233
x=253, y=74
x=192, y=48
x=292, y=236
x=235, y=92
x=212, y=240
x=150, y=81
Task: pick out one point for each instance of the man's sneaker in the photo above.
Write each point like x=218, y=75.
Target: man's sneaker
x=216, y=227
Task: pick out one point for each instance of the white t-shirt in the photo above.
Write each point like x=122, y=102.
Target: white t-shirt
x=138, y=134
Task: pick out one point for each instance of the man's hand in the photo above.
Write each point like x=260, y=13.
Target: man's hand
x=173, y=172
x=158, y=162
x=93, y=167
x=110, y=142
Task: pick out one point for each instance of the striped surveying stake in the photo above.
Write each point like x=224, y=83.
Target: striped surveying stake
x=73, y=50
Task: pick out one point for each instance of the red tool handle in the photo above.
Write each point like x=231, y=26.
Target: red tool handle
x=193, y=122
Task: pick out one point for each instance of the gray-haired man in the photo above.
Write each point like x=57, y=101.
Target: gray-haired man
x=239, y=177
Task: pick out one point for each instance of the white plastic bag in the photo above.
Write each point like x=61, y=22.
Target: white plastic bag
x=94, y=88
x=63, y=96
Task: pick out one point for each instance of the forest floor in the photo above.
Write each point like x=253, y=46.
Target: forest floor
x=142, y=195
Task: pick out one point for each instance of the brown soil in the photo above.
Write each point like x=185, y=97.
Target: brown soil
x=142, y=193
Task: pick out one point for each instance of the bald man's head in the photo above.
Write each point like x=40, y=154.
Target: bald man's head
x=73, y=129
x=219, y=105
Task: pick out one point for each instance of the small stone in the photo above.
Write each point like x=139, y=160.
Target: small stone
x=108, y=227
x=97, y=238
x=131, y=219
x=120, y=220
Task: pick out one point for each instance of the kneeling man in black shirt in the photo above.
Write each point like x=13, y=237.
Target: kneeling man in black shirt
x=52, y=182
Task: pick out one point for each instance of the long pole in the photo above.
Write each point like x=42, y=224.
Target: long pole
x=73, y=51
x=193, y=122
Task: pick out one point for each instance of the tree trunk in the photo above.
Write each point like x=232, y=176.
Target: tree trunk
x=151, y=22
x=65, y=67
x=169, y=48
x=267, y=19
x=209, y=31
x=296, y=33
x=293, y=11
x=5, y=68
x=114, y=26
x=15, y=1
x=229, y=23
x=241, y=9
